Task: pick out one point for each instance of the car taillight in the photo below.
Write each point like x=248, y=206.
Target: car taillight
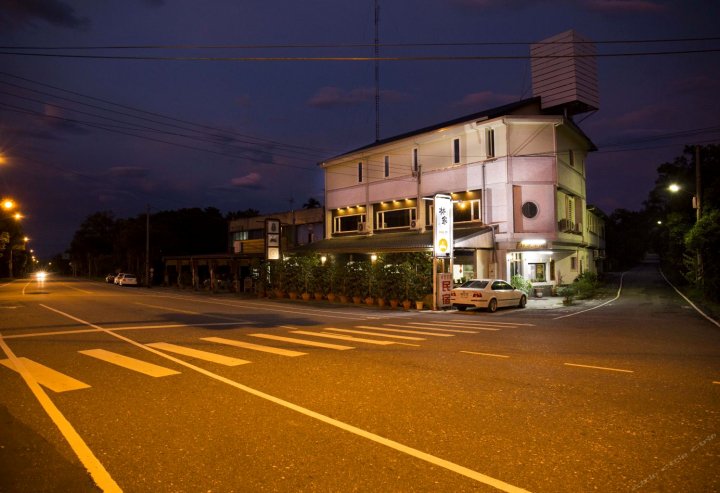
x=477, y=295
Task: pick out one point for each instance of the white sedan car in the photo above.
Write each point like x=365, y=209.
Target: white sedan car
x=128, y=280
x=490, y=294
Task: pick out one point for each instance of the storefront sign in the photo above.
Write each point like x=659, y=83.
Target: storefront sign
x=443, y=226
x=272, y=239
x=444, y=288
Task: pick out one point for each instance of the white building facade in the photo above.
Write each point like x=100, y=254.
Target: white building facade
x=517, y=176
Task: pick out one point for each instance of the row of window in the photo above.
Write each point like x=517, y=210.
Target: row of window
x=456, y=152
x=465, y=211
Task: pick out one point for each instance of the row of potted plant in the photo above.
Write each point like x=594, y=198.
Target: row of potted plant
x=391, y=278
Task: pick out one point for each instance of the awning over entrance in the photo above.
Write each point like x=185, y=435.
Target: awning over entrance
x=407, y=241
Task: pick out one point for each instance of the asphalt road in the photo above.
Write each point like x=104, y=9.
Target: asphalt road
x=622, y=397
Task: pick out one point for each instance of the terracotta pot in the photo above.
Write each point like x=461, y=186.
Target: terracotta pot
x=419, y=305
x=394, y=303
x=343, y=298
x=331, y=297
x=357, y=300
x=369, y=300
x=318, y=296
x=293, y=295
x=305, y=296
x=381, y=302
x=279, y=293
x=406, y=304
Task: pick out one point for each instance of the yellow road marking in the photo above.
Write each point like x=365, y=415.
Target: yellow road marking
x=343, y=338
x=130, y=363
x=137, y=327
x=196, y=353
x=416, y=332
x=435, y=327
x=599, y=368
x=254, y=347
x=486, y=354
x=86, y=456
x=47, y=377
x=304, y=342
x=362, y=332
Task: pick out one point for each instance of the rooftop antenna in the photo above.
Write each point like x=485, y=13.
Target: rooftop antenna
x=377, y=70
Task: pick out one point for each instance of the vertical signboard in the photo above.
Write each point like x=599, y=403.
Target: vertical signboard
x=272, y=239
x=445, y=286
x=443, y=226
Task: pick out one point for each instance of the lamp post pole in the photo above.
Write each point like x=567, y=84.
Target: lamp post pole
x=698, y=211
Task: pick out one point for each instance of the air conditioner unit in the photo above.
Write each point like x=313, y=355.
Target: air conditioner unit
x=565, y=225
x=579, y=228
x=361, y=227
x=414, y=224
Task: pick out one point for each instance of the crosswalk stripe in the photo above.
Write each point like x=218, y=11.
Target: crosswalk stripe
x=434, y=334
x=418, y=325
x=303, y=342
x=491, y=322
x=47, y=377
x=470, y=326
x=362, y=332
x=196, y=353
x=133, y=364
x=343, y=338
x=255, y=347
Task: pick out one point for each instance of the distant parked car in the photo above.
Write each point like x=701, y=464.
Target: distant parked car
x=119, y=277
x=486, y=293
x=110, y=278
x=128, y=280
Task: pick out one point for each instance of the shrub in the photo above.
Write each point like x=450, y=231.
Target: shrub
x=519, y=282
x=586, y=285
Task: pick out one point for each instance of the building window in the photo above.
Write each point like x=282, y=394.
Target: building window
x=360, y=172
x=415, y=164
x=466, y=211
x=456, y=151
x=537, y=272
x=490, y=142
x=396, y=218
x=573, y=263
x=571, y=158
x=241, y=236
x=348, y=223
x=387, y=166
x=529, y=209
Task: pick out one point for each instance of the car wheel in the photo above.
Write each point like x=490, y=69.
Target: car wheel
x=492, y=306
x=523, y=301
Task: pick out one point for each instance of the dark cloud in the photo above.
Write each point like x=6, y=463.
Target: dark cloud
x=626, y=6
x=333, y=97
x=16, y=13
x=251, y=180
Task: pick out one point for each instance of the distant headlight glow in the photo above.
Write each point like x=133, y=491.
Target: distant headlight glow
x=41, y=276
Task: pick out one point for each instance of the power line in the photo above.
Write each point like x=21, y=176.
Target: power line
x=426, y=58
x=356, y=45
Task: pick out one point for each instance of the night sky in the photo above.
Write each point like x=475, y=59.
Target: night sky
x=113, y=106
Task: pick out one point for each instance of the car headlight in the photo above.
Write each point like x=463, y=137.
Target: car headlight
x=41, y=276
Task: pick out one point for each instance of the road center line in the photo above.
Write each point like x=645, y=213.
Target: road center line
x=486, y=354
x=599, y=368
x=418, y=454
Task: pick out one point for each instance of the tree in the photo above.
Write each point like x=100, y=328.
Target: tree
x=312, y=203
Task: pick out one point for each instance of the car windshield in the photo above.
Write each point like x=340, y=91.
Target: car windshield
x=474, y=284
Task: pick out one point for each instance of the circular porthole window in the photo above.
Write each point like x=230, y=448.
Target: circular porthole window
x=530, y=209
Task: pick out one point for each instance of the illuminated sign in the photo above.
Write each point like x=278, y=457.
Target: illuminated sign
x=443, y=226
x=272, y=239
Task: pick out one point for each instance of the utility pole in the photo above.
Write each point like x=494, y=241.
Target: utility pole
x=147, y=246
x=698, y=212
x=377, y=70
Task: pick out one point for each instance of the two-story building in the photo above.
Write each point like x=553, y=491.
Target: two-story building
x=517, y=178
